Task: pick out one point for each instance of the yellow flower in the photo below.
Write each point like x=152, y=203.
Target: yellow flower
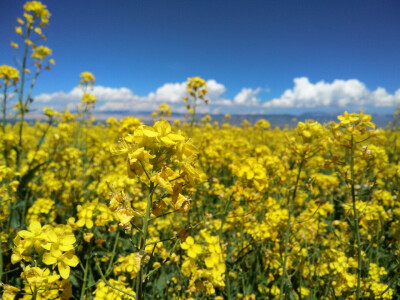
x=34, y=236
x=39, y=10
x=136, y=159
x=165, y=135
x=14, y=45
x=87, y=236
x=103, y=291
x=18, y=30
x=41, y=52
x=88, y=99
x=163, y=110
x=59, y=239
x=29, y=19
x=85, y=217
x=212, y=260
x=62, y=260
x=128, y=264
x=37, y=277
x=38, y=30
x=161, y=179
x=181, y=203
x=87, y=78
x=9, y=291
x=9, y=74
x=192, y=249
x=347, y=119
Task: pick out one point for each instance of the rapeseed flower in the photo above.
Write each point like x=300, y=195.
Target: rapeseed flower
x=9, y=75
x=192, y=248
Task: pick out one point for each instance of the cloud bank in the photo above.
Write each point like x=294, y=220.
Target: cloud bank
x=116, y=99
x=338, y=94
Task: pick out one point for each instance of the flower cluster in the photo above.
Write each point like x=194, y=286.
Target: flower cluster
x=9, y=75
x=53, y=245
x=88, y=99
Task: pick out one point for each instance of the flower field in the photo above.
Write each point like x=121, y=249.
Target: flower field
x=190, y=210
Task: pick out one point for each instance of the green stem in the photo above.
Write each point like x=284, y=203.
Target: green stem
x=4, y=123
x=34, y=294
x=160, y=241
x=110, y=264
x=165, y=260
x=284, y=276
x=356, y=220
x=140, y=275
x=228, y=283
x=85, y=278
x=1, y=258
x=28, y=97
x=4, y=108
x=110, y=285
x=163, y=215
x=25, y=208
x=193, y=115
x=39, y=144
x=20, y=100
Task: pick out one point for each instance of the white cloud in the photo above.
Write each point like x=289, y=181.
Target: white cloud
x=125, y=99
x=215, y=90
x=102, y=93
x=247, y=96
x=169, y=92
x=339, y=93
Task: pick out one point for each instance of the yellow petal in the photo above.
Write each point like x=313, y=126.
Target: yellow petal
x=80, y=223
x=89, y=223
x=71, y=260
x=196, y=248
x=184, y=246
x=53, y=278
x=25, y=234
x=66, y=247
x=15, y=258
x=162, y=127
x=167, y=141
x=48, y=259
x=176, y=137
x=52, y=236
x=68, y=239
x=150, y=133
x=209, y=262
x=64, y=270
x=189, y=240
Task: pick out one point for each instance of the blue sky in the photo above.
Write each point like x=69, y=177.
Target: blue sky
x=255, y=51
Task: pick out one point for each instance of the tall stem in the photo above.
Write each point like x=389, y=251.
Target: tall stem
x=20, y=100
x=356, y=220
x=85, y=277
x=284, y=276
x=4, y=109
x=110, y=264
x=140, y=275
x=193, y=115
x=1, y=258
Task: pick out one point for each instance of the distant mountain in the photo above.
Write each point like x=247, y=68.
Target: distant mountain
x=280, y=120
